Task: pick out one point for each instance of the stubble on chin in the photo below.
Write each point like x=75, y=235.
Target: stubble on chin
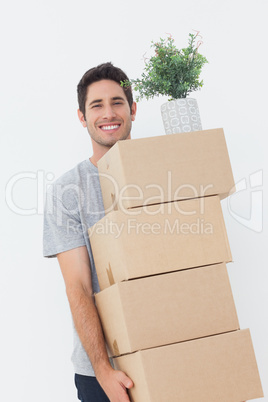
x=108, y=143
x=104, y=143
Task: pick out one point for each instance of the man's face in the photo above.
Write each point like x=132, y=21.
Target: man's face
x=108, y=117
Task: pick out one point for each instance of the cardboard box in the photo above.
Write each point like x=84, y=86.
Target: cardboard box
x=160, y=238
x=168, y=308
x=165, y=168
x=219, y=368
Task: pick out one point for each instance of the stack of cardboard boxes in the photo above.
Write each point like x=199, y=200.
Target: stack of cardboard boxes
x=165, y=303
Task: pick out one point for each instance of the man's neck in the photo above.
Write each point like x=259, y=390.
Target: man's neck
x=98, y=152
x=93, y=160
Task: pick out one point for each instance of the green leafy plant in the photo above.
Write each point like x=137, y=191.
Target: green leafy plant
x=170, y=71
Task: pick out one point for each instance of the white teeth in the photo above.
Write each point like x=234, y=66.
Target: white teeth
x=110, y=127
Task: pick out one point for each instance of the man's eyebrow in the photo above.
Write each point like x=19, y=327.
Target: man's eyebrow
x=95, y=101
x=118, y=98
x=113, y=98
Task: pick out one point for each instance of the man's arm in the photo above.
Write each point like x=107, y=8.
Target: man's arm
x=75, y=268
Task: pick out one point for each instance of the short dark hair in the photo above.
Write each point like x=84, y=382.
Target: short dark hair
x=105, y=71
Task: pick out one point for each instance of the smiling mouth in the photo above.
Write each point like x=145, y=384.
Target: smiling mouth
x=110, y=127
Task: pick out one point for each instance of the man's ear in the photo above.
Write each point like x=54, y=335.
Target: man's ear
x=81, y=118
x=133, y=111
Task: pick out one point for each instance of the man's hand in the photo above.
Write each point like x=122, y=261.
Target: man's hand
x=115, y=384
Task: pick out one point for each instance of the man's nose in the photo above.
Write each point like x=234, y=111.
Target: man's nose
x=109, y=112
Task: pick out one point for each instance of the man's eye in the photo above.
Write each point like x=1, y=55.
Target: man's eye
x=94, y=106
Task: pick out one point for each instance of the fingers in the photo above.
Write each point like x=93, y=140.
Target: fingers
x=115, y=386
x=125, y=381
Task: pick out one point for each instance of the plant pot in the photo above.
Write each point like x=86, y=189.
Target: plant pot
x=180, y=116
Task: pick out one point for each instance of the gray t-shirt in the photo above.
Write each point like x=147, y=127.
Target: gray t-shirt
x=74, y=204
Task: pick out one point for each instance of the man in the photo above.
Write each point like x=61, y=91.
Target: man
x=74, y=203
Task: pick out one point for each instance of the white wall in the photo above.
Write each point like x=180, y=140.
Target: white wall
x=46, y=47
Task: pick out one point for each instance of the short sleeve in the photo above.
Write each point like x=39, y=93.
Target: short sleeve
x=62, y=227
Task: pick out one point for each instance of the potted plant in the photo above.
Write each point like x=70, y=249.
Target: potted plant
x=174, y=73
